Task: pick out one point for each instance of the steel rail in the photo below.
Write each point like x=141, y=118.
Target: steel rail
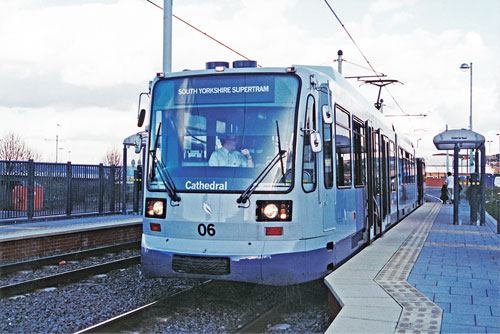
x=67, y=277
x=72, y=256
x=259, y=323
x=127, y=320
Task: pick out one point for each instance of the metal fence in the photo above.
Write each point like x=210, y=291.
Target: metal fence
x=32, y=189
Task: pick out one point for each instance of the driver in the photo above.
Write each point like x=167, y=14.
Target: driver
x=228, y=156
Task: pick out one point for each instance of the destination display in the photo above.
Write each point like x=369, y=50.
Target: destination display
x=223, y=90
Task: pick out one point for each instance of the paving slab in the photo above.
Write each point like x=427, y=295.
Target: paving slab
x=433, y=277
x=51, y=227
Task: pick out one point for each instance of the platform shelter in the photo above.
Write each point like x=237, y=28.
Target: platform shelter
x=463, y=139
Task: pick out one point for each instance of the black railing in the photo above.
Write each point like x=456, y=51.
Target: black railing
x=32, y=189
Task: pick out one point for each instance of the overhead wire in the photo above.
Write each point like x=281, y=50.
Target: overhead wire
x=202, y=32
x=363, y=55
x=363, y=67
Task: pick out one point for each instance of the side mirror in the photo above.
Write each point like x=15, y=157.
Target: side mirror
x=140, y=117
x=327, y=114
x=138, y=140
x=315, y=141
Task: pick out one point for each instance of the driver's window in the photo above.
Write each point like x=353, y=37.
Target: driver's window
x=195, y=140
x=309, y=157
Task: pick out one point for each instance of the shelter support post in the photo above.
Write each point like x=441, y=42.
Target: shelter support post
x=456, y=192
x=483, y=190
x=124, y=181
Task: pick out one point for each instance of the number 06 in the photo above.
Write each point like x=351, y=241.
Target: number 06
x=203, y=230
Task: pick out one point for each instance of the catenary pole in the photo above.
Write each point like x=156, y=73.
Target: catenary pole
x=167, y=36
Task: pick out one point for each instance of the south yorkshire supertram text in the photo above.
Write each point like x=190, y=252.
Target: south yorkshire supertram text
x=223, y=90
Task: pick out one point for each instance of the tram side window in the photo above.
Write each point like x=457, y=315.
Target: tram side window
x=406, y=159
x=400, y=166
x=309, y=157
x=327, y=155
x=343, y=146
x=392, y=165
x=412, y=168
x=376, y=160
x=358, y=133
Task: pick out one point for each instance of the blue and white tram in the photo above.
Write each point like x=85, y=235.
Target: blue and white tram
x=322, y=175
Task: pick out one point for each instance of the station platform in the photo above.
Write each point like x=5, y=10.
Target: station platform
x=425, y=275
x=59, y=226
x=41, y=238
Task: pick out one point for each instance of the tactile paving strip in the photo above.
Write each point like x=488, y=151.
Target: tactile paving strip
x=442, y=244
x=420, y=314
x=463, y=232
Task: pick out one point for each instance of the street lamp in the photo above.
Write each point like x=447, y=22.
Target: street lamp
x=57, y=145
x=464, y=67
x=498, y=134
x=489, y=149
x=418, y=140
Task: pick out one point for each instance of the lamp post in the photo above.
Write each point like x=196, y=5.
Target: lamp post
x=498, y=134
x=57, y=145
x=489, y=149
x=464, y=67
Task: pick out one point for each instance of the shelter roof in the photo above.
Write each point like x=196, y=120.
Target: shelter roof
x=465, y=139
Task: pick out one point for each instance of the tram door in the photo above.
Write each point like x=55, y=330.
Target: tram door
x=385, y=186
x=327, y=195
x=421, y=180
x=373, y=181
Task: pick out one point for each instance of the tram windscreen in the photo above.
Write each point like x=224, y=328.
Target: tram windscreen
x=217, y=133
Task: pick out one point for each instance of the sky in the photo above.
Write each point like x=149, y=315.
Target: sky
x=75, y=69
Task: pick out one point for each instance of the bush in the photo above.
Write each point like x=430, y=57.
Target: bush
x=492, y=208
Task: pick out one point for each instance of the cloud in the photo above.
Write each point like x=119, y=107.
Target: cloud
x=384, y=6
x=48, y=89
x=86, y=132
x=84, y=62
x=91, y=45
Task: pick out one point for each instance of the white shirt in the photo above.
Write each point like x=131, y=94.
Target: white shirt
x=225, y=158
x=450, y=181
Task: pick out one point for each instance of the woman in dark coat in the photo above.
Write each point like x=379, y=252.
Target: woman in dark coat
x=444, y=193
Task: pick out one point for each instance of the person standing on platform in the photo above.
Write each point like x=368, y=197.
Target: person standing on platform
x=444, y=193
x=450, y=182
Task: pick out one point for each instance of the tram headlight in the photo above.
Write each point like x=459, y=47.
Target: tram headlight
x=155, y=207
x=274, y=211
x=270, y=210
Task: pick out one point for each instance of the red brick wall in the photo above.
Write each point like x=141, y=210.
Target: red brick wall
x=434, y=182
x=62, y=243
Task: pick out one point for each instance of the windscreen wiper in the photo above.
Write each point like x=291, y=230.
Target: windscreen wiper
x=167, y=181
x=165, y=177
x=248, y=192
x=153, y=152
x=278, y=157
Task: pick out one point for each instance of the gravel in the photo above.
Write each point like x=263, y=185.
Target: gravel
x=311, y=318
x=73, y=307
x=67, y=265
x=228, y=306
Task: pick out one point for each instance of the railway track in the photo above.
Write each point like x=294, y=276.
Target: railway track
x=260, y=323
x=131, y=319
x=65, y=277
x=73, y=256
x=161, y=315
